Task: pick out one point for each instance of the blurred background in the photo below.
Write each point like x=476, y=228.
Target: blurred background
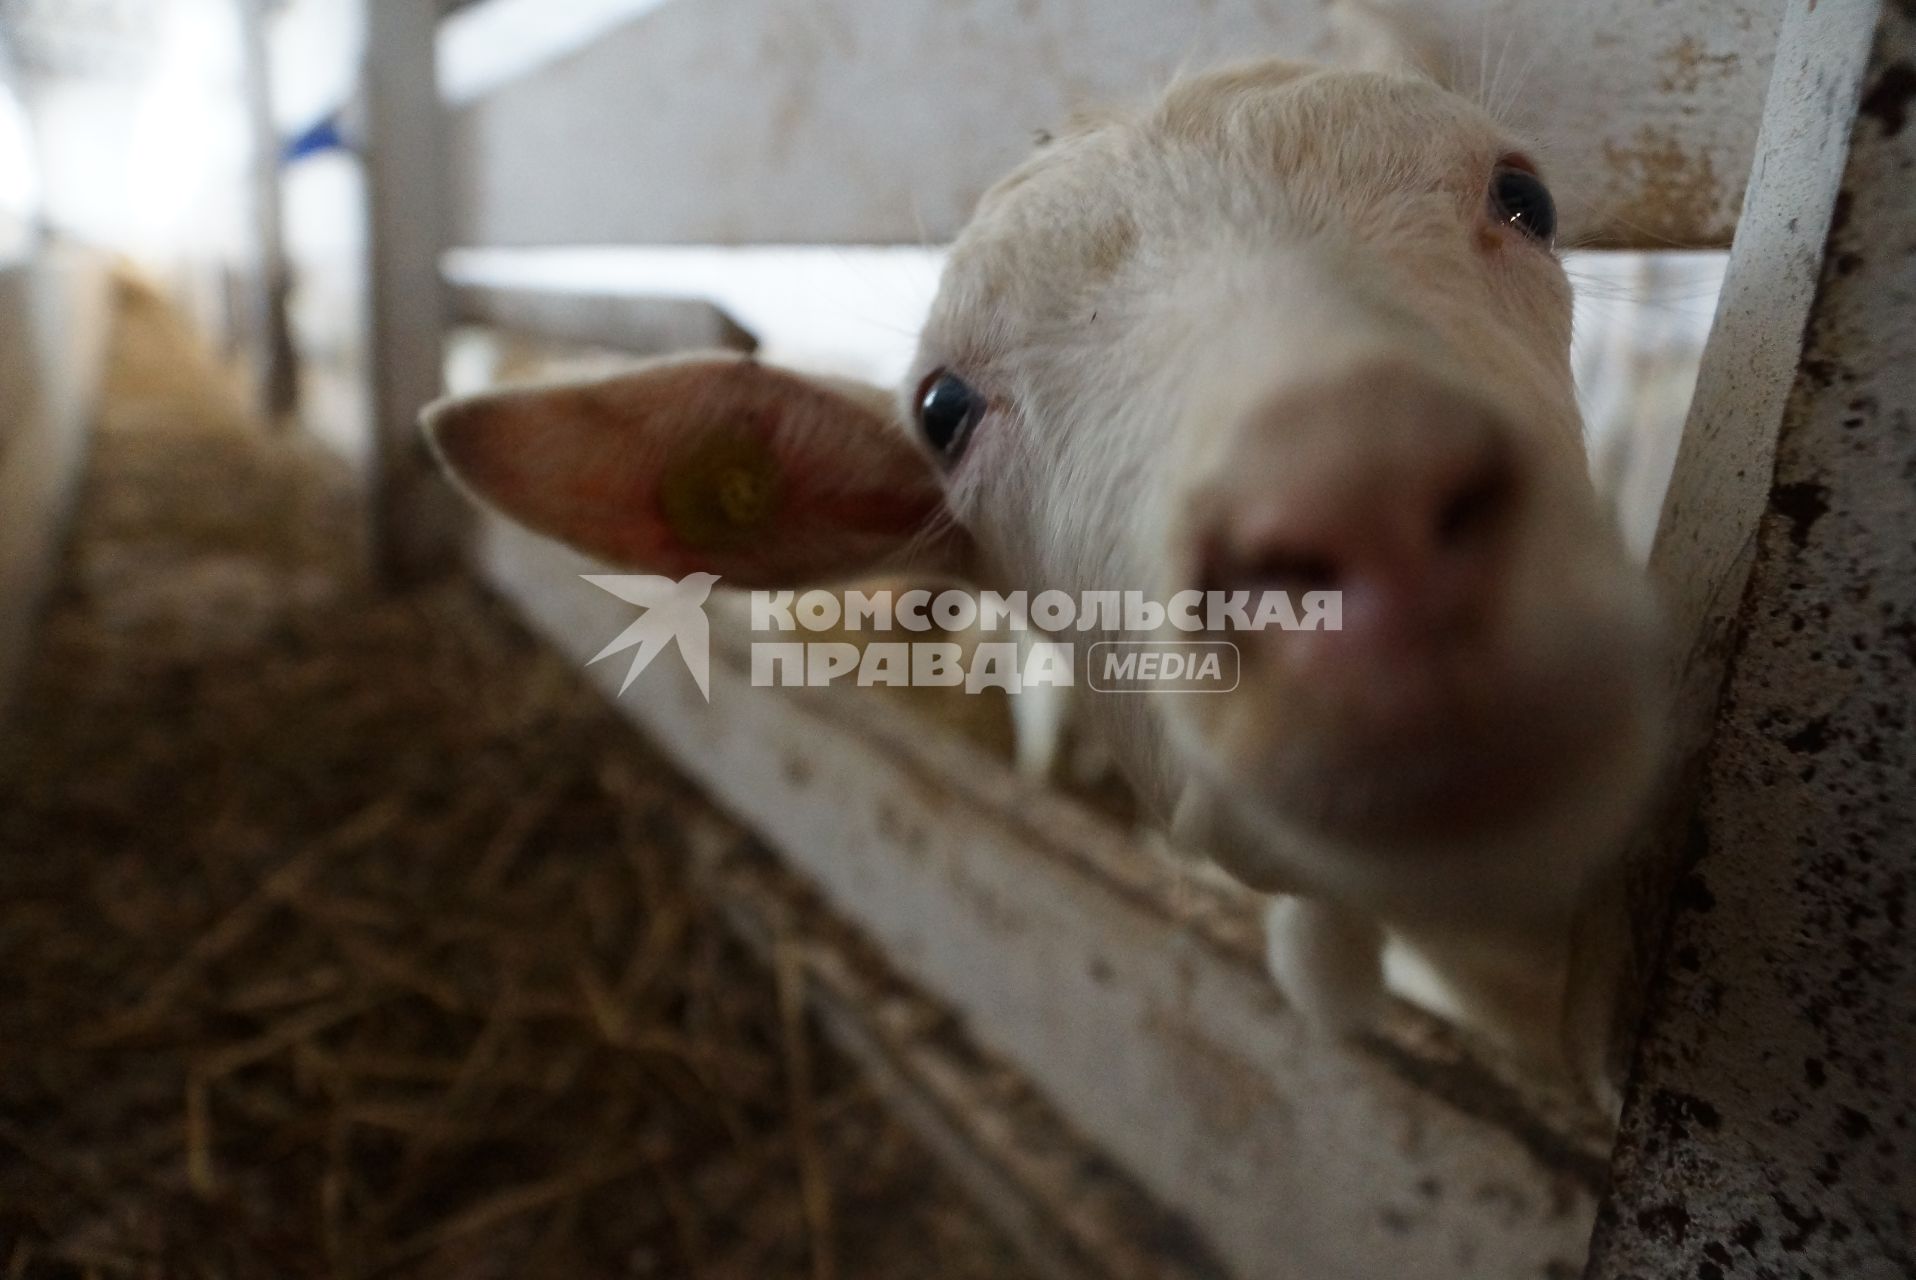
x=346, y=931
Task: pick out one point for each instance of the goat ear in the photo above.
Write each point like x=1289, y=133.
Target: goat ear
x=712, y=464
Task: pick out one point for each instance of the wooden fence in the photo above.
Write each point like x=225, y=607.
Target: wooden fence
x=1768, y=1126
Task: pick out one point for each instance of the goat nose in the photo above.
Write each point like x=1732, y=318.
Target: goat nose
x=1390, y=488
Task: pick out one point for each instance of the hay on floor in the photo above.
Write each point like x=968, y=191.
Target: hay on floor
x=346, y=933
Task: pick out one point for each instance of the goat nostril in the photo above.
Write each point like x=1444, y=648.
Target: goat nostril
x=1291, y=573
x=1479, y=508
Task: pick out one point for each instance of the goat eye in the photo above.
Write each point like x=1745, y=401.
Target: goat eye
x=947, y=411
x=1518, y=198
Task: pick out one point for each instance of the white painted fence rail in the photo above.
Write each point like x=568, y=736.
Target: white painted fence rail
x=876, y=121
x=1133, y=997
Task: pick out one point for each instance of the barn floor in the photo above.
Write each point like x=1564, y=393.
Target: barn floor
x=347, y=933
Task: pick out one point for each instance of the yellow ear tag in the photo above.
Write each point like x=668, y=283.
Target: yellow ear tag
x=720, y=494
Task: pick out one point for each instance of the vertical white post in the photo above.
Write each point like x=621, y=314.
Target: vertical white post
x=1770, y=1125
x=417, y=526
x=276, y=365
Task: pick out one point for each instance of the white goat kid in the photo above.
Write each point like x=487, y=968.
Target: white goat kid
x=1288, y=328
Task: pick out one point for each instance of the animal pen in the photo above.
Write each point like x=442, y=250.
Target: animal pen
x=1085, y=1038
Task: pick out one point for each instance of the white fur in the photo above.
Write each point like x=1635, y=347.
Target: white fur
x=1128, y=300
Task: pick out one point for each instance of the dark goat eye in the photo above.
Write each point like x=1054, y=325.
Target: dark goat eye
x=947, y=411
x=1519, y=199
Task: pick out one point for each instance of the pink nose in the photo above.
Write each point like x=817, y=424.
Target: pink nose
x=1388, y=486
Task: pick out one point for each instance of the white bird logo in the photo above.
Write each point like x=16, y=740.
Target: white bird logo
x=674, y=611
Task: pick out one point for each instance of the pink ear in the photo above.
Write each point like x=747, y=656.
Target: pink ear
x=715, y=464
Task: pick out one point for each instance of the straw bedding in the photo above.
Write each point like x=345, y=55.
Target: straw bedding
x=346, y=933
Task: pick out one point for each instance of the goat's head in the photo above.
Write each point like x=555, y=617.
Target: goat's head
x=1290, y=328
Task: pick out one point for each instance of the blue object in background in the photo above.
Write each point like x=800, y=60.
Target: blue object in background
x=325, y=135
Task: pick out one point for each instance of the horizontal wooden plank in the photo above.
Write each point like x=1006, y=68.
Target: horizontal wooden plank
x=644, y=326
x=882, y=121
x=851, y=311
x=484, y=44
x=1132, y=996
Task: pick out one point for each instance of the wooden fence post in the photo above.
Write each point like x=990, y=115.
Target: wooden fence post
x=277, y=364
x=1770, y=1122
x=417, y=524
